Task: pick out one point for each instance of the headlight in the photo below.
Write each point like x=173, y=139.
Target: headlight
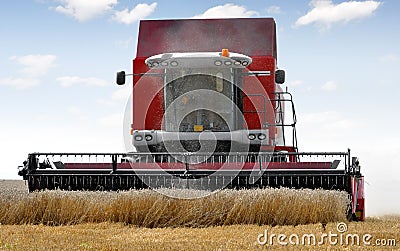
x=218, y=63
x=237, y=63
x=252, y=136
x=228, y=62
x=155, y=64
x=148, y=137
x=174, y=63
x=245, y=63
x=262, y=136
x=164, y=63
x=138, y=137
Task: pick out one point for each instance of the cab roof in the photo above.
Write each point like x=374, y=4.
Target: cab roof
x=248, y=36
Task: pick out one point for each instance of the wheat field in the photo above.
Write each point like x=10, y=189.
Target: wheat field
x=146, y=220
x=148, y=208
x=117, y=236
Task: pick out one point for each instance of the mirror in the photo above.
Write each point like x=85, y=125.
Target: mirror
x=121, y=78
x=280, y=76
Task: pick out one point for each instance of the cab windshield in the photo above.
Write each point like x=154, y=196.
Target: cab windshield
x=198, y=100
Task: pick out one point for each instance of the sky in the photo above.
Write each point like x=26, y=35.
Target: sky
x=58, y=60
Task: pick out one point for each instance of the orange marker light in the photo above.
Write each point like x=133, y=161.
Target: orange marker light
x=225, y=53
x=184, y=100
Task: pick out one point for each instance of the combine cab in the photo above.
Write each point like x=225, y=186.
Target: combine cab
x=209, y=113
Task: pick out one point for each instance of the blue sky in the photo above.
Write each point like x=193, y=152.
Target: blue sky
x=59, y=58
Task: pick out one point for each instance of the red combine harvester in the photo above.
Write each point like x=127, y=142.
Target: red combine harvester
x=208, y=113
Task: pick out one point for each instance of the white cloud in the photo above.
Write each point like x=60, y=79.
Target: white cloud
x=324, y=13
x=85, y=10
x=390, y=58
x=112, y=120
x=140, y=11
x=128, y=43
x=329, y=86
x=105, y=102
x=77, y=112
x=122, y=94
x=228, y=10
x=74, y=110
x=68, y=81
x=274, y=9
x=295, y=83
x=327, y=120
x=20, y=83
x=35, y=65
x=327, y=131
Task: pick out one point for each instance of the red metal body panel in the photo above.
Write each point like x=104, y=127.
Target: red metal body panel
x=148, y=98
x=263, y=87
x=358, y=197
x=204, y=166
